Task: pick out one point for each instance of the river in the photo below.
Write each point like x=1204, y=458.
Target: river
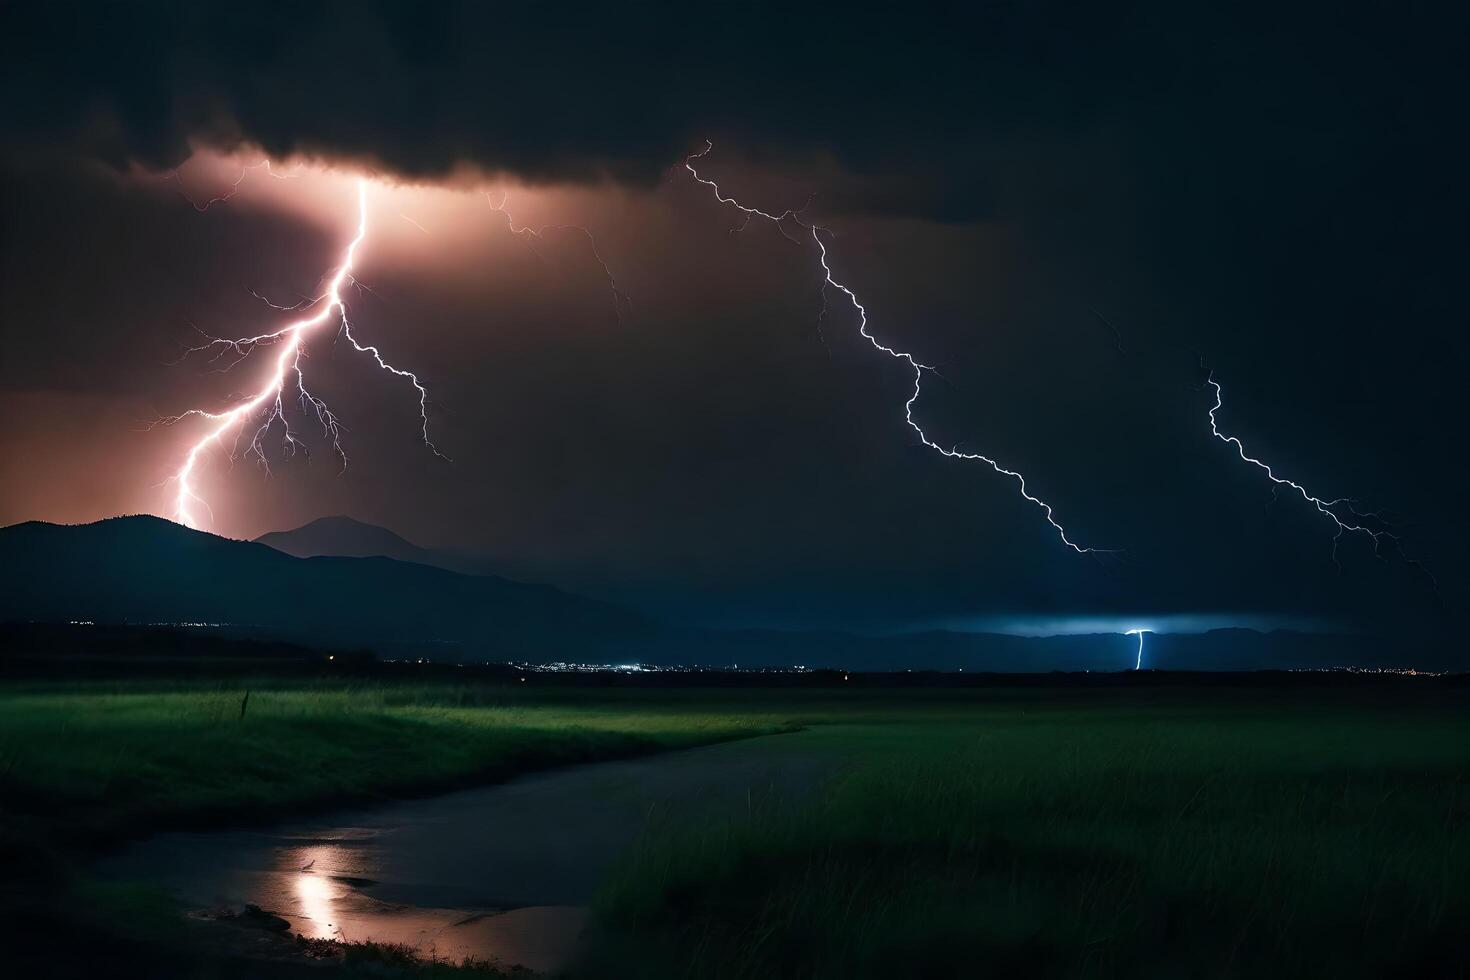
x=502, y=873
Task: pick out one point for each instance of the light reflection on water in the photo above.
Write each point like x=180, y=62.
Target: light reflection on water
x=322, y=876
x=325, y=891
x=316, y=895
x=325, y=885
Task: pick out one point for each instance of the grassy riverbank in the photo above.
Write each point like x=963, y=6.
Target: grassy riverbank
x=83, y=764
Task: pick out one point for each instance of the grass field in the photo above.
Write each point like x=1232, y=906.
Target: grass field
x=1084, y=834
x=81, y=763
x=1056, y=832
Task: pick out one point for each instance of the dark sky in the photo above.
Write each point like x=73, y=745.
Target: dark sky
x=1278, y=191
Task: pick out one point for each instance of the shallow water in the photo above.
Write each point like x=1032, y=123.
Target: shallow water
x=500, y=873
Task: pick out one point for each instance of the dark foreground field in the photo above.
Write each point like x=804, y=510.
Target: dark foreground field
x=1113, y=832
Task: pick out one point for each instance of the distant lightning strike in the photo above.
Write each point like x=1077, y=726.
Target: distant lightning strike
x=1347, y=525
x=1138, y=662
x=919, y=368
x=268, y=404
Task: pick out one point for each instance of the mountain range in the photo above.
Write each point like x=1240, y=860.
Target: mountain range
x=148, y=570
x=341, y=583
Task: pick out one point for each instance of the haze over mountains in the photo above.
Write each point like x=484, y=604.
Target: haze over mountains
x=346, y=537
x=340, y=583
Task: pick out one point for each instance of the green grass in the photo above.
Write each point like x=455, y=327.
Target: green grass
x=83, y=763
x=1242, y=834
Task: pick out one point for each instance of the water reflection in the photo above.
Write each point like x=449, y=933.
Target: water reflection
x=325, y=890
x=316, y=895
x=323, y=876
x=331, y=897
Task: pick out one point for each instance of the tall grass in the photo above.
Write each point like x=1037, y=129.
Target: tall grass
x=83, y=762
x=1121, y=840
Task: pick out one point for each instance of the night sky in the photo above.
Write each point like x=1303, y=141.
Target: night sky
x=1062, y=207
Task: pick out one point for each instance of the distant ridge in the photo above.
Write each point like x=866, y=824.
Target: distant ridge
x=148, y=570
x=347, y=537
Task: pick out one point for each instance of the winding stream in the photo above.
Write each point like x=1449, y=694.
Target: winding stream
x=501, y=873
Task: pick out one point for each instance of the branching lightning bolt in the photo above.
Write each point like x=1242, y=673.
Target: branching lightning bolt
x=267, y=405
x=918, y=367
x=1328, y=508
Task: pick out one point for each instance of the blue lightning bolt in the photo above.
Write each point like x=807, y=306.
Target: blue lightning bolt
x=1138, y=662
x=1328, y=508
x=918, y=367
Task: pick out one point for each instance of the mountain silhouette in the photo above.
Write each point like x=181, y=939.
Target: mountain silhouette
x=347, y=537
x=148, y=570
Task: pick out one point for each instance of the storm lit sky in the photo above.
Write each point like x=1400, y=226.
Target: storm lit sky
x=1064, y=216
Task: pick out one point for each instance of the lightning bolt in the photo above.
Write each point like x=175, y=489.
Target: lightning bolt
x=267, y=405
x=1348, y=524
x=245, y=170
x=1138, y=662
x=918, y=368
x=535, y=237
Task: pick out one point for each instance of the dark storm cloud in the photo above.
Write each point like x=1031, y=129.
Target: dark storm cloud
x=948, y=111
x=910, y=100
